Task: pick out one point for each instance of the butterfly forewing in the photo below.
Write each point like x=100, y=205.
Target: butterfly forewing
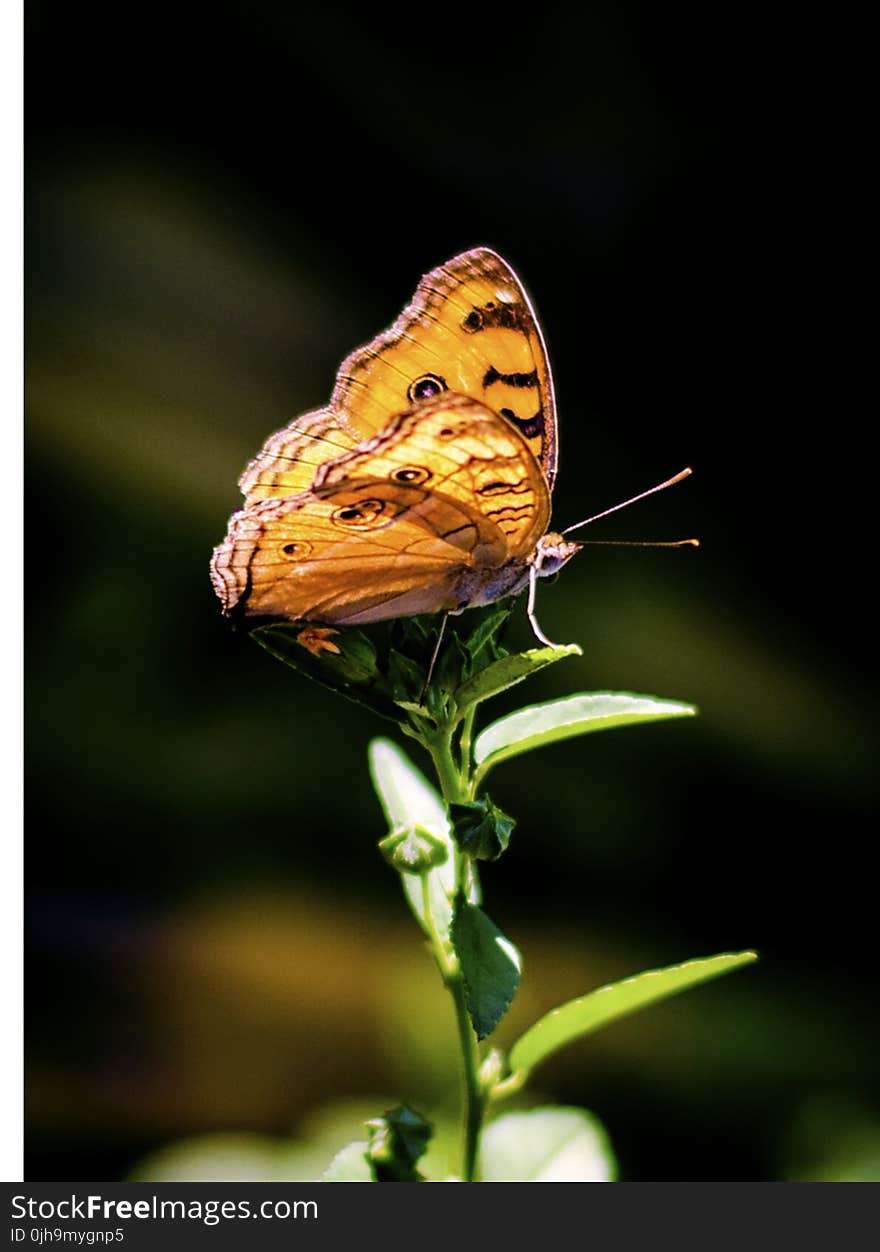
x=470, y=328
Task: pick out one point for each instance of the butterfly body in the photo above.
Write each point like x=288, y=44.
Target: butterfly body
x=425, y=485
x=485, y=586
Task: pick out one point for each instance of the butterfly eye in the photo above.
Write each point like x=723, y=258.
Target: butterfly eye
x=296, y=551
x=425, y=387
x=360, y=516
x=473, y=321
x=412, y=474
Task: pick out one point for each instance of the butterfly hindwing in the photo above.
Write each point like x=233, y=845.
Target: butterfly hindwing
x=352, y=551
x=288, y=461
x=459, y=450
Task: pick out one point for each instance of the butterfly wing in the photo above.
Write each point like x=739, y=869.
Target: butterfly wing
x=471, y=329
x=447, y=492
x=349, y=554
x=463, y=452
x=290, y=458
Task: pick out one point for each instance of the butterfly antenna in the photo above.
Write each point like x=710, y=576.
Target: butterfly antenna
x=670, y=482
x=641, y=543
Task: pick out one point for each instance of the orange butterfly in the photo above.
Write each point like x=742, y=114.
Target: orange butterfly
x=425, y=484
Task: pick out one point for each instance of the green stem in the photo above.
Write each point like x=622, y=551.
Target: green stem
x=474, y=1095
x=464, y=751
x=455, y=785
x=510, y=1085
x=440, y=747
x=443, y=955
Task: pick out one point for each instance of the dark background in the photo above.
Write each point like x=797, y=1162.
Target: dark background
x=223, y=201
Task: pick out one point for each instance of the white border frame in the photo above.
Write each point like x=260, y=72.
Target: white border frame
x=11, y=435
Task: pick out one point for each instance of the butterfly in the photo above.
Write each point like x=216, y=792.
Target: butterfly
x=425, y=485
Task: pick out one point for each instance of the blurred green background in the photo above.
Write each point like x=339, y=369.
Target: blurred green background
x=222, y=201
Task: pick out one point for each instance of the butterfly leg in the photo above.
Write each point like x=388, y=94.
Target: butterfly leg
x=530, y=611
x=434, y=655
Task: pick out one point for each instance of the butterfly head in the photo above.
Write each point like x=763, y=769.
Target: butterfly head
x=552, y=552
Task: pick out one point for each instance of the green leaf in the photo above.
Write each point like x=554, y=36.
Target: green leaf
x=488, y=630
x=406, y=678
x=508, y=671
x=481, y=829
x=350, y=1164
x=608, y=1004
x=414, y=636
x=562, y=719
x=411, y=803
x=350, y=671
x=547, y=1145
x=452, y=661
x=397, y=1141
x=490, y=966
